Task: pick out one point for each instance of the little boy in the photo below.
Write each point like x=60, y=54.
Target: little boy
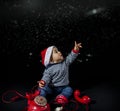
x=55, y=79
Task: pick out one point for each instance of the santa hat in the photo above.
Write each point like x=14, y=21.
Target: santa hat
x=46, y=54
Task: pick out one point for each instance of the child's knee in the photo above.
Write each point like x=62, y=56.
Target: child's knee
x=67, y=92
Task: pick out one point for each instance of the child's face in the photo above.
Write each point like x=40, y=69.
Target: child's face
x=56, y=56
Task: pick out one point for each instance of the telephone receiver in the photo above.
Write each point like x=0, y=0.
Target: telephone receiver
x=84, y=100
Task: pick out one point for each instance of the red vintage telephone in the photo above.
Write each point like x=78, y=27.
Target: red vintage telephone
x=38, y=103
x=35, y=102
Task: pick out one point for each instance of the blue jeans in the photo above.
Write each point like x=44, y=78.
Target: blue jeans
x=61, y=90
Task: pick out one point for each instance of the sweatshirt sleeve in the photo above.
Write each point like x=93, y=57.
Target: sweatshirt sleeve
x=46, y=77
x=71, y=57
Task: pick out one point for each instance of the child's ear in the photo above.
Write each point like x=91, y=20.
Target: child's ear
x=51, y=59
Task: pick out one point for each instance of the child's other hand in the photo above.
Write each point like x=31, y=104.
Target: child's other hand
x=41, y=83
x=77, y=46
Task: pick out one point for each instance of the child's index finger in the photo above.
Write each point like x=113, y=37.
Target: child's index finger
x=75, y=43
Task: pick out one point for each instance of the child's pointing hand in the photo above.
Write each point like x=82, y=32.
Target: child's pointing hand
x=77, y=46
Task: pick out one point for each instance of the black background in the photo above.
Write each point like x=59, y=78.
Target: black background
x=27, y=27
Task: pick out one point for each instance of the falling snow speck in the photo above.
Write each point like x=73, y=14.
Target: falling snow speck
x=30, y=54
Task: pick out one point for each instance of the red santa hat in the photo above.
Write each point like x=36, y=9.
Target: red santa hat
x=46, y=54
